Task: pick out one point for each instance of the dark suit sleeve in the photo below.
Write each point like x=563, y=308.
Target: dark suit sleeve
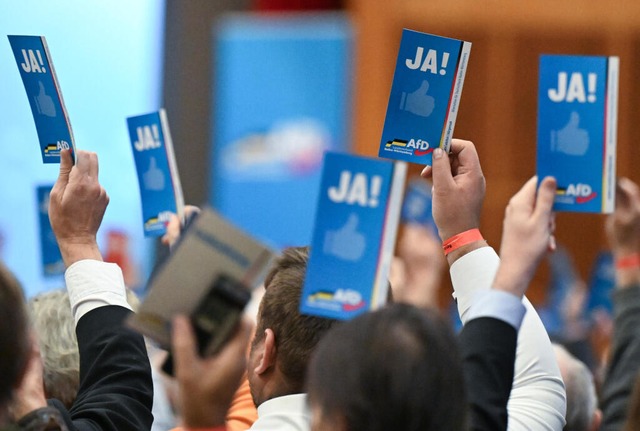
x=116, y=390
x=625, y=358
x=488, y=348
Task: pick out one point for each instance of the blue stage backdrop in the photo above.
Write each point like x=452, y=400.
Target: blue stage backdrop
x=107, y=57
x=282, y=97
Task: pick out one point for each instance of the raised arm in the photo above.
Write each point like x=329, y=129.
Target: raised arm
x=116, y=390
x=537, y=399
x=623, y=231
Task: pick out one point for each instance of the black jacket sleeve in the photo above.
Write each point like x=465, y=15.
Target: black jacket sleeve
x=625, y=358
x=116, y=390
x=488, y=348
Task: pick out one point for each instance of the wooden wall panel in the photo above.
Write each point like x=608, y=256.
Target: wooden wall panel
x=499, y=101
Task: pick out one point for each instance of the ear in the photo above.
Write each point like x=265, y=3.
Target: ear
x=597, y=419
x=268, y=358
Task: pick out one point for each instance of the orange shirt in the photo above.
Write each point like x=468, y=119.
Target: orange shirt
x=242, y=412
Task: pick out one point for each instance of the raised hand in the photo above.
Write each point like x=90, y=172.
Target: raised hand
x=623, y=232
x=174, y=227
x=623, y=226
x=527, y=234
x=76, y=207
x=458, y=188
x=207, y=385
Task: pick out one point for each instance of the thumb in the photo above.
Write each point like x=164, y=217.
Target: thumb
x=352, y=223
x=424, y=87
x=185, y=353
x=545, y=198
x=441, y=171
x=66, y=163
x=152, y=163
x=41, y=85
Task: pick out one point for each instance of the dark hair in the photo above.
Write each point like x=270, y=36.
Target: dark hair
x=397, y=368
x=296, y=335
x=14, y=336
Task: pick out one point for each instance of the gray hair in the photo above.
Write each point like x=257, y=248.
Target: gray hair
x=55, y=328
x=581, y=391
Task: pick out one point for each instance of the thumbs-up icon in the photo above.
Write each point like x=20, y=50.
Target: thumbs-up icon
x=153, y=179
x=571, y=139
x=418, y=102
x=44, y=102
x=345, y=243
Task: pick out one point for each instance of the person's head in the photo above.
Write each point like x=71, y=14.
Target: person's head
x=582, y=403
x=14, y=338
x=396, y=368
x=285, y=339
x=55, y=328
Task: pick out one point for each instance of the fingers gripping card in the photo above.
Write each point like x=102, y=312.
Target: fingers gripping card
x=424, y=98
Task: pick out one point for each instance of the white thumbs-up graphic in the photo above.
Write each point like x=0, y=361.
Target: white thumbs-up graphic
x=44, y=102
x=345, y=243
x=418, y=102
x=154, y=178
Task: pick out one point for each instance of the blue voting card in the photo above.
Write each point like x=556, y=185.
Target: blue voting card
x=39, y=79
x=417, y=205
x=52, y=263
x=425, y=95
x=577, y=122
x=355, y=229
x=160, y=188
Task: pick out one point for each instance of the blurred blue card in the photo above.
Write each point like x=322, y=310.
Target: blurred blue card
x=52, y=263
x=602, y=281
x=417, y=204
x=160, y=188
x=355, y=230
x=577, y=123
x=425, y=94
x=40, y=81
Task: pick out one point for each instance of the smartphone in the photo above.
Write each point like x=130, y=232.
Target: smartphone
x=216, y=317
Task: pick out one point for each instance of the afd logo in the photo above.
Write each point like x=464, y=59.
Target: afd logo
x=351, y=300
x=580, y=193
x=414, y=147
x=159, y=221
x=59, y=145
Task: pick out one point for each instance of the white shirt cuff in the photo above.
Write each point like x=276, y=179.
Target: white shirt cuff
x=498, y=305
x=474, y=271
x=92, y=284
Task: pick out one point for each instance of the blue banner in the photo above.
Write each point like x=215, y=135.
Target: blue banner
x=282, y=98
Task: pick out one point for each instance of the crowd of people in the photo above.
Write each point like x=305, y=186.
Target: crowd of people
x=400, y=367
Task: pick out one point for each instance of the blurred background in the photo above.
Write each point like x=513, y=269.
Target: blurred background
x=256, y=90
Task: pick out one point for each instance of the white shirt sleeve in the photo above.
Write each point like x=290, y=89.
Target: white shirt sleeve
x=538, y=399
x=92, y=284
x=498, y=305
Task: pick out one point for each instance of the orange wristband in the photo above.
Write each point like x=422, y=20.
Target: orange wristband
x=461, y=239
x=628, y=262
